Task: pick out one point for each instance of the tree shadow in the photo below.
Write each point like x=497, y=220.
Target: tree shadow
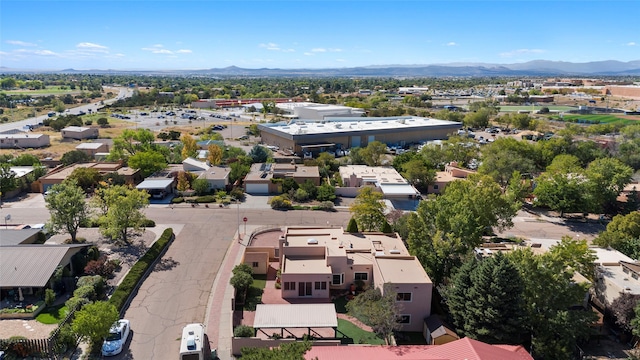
x=166, y=264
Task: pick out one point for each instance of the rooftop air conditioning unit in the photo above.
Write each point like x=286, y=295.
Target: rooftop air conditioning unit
x=394, y=251
x=312, y=241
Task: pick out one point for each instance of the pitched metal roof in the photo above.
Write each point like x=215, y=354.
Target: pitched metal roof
x=33, y=265
x=295, y=316
x=10, y=237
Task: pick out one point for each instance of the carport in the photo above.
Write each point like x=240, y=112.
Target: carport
x=296, y=316
x=157, y=188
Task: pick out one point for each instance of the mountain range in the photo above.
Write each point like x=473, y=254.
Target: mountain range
x=531, y=68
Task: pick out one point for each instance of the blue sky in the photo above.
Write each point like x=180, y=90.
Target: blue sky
x=139, y=34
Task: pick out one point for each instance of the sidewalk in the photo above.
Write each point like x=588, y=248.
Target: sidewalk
x=219, y=316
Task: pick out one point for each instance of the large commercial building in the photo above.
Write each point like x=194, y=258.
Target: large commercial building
x=300, y=136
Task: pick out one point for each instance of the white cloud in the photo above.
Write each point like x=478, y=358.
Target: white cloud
x=158, y=49
x=632, y=43
x=451, y=43
x=309, y=54
x=341, y=60
x=184, y=51
x=288, y=50
x=335, y=50
x=3, y=53
x=270, y=46
x=521, y=52
x=45, y=53
x=318, y=50
x=20, y=43
x=91, y=46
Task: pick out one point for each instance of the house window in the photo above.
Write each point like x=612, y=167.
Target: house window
x=363, y=276
x=289, y=285
x=255, y=264
x=404, y=319
x=321, y=285
x=635, y=276
x=338, y=279
x=403, y=297
x=435, y=187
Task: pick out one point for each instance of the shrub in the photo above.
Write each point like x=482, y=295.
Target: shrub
x=49, y=297
x=148, y=223
x=103, y=121
x=280, y=202
x=66, y=339
x=301, y=195
x=243, y=331
x=352, y=227
x=327, y=206
x=100, y=267
x=245, y=268
x=386, y=228
x=177, y=200
x=76, y=303
x=87, y=292
x=88, y=122
x=237, y=193
x=96, y=281
x=137, y=271
x=205, y=199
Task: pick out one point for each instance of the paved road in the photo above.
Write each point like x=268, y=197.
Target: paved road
x=123, y=93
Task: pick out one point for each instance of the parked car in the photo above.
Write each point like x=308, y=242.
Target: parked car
x=118, y=335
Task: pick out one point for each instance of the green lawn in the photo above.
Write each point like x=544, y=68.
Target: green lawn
x=595, y=119
x=259, y=281
x=509, y=108
x=358, y=335
x=49, y=90
x=53, y=314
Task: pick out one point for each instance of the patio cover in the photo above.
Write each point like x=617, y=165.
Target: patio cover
x=398, y=189
x=272, y=316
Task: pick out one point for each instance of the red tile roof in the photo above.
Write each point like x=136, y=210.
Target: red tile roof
x=463, y=349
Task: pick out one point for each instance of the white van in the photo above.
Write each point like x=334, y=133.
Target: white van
x=192, y=346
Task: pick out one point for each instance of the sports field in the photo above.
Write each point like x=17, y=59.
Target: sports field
x=599, y=119
x=511, y=108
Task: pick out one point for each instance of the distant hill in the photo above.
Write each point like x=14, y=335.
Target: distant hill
x=531, y=68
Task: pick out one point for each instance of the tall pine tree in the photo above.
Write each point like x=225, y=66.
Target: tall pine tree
x=486, y=301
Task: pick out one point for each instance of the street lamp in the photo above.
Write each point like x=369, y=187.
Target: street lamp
x=6, y=218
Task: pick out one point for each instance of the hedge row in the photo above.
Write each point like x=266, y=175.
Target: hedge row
x=137, y=271
x=94, y=223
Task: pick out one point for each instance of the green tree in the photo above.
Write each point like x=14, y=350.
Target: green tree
x=86, y=178
x=200, y=186
x=622, y=234
x=326, y=192
x=148, y=162
x=74, y=156
x=68, y=208
x=123, y=215
x=239, y=170
x=368, y=210
x=259, y=154
x=607, y=177
x=310, y=188
x=486, y=301
x=130, y=142
x=377, y=309
x=444, y=230
x=457, y=149
x=550, y=293
x=373, y=154
x=93, y=321
x=478, y=119
x=25, y=160
x=561, y=192
x=8, y=181
x=418, y=174
x=504, y=156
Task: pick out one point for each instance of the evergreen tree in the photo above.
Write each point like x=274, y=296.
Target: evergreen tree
x=352, y=227
x=487, y=303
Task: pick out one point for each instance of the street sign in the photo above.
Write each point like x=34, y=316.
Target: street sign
x=245, y=219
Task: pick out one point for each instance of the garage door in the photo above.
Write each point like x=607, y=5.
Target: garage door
x=257, y=188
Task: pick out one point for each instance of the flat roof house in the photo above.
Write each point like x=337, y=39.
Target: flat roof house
x=93, y=148
x=260, y=179
x=616, y=274
x=452, y=172
x=299, y=135
x=79, y=133
x=23, y=141
x=131, y=176
x=384, y=178
x=323, y=262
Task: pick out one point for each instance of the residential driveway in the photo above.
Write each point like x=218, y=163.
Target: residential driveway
x=255, y=202
x=25, y=201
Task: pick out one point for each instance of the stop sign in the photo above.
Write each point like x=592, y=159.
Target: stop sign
x=244, y=219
